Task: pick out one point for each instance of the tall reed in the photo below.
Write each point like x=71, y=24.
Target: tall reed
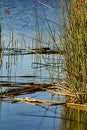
x=75, y=44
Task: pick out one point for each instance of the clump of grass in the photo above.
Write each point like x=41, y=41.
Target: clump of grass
x=75, y=44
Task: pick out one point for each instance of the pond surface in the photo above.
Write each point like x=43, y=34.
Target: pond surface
x=27, y=25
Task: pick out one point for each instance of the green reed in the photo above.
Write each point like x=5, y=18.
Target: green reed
x=75, y=44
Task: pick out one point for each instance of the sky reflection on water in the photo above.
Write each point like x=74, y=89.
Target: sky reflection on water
x=19, y=17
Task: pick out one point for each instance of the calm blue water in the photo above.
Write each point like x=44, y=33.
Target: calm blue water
x=20, y=19
x=20, y=30
x=23, y=14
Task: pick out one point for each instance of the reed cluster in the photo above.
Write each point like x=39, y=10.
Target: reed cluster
x=75, y=44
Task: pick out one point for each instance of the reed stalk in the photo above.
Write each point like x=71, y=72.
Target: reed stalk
x=75, y=44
